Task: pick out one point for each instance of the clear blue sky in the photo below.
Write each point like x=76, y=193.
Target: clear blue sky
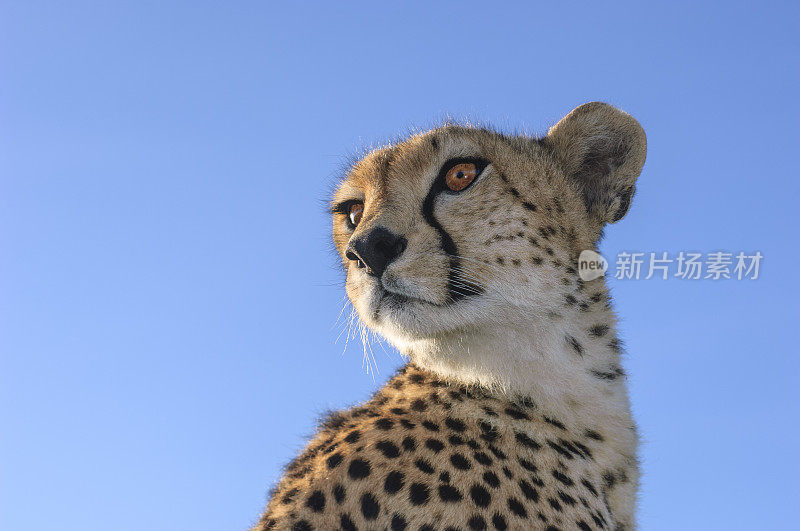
x=168, y=298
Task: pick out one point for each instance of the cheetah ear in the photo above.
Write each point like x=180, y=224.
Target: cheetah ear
x=602, y=149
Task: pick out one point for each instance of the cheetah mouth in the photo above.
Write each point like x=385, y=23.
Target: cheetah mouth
x=393, y=298
x=389, y=302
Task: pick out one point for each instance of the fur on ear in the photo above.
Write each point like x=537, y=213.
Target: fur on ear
x=602, y=150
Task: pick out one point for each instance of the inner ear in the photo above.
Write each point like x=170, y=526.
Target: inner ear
x=601, y=150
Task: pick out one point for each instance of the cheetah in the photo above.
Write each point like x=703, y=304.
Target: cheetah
x=460, y=246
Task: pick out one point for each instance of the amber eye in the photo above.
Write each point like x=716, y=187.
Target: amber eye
x=354, y=212
x=460, y=176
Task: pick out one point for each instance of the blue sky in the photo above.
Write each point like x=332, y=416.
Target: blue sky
x=168, y=297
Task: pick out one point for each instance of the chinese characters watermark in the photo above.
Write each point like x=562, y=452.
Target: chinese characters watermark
x=683, y=265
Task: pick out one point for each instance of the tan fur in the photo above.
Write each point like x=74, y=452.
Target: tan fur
x=536, y=341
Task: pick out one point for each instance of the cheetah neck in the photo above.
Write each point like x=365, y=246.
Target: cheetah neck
x=568, y=364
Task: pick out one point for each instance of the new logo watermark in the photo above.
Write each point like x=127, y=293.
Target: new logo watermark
x=591, y=265
x=687, y=265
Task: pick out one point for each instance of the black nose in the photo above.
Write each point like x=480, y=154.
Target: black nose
x=376, y=250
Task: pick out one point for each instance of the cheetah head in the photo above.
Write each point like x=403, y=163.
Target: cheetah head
x=462, y=228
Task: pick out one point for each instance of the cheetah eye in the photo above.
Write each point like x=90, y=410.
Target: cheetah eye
x=460, y=176
x=354, y=212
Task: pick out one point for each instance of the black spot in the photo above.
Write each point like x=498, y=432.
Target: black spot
x=516, y=414
x=384, y=424
x=529, y=206
x=359, y=469
x=398, y=523
x=457, y=396
x=347, y=524
x=434, y=445
x=333, y=420
x=528, y=491
x=554, y=422
x=353, y=436
x=491, y=479
x=301, y=525
x=489, y=411
x=527, y=465
x=554, y=504
x=445, y=477
x=586, y=483
x=455, y=424
x=524, y=440
x=388, y=448
x=593, y=435
x=490, y=433
x=338, y=493
x=507, y=472
x=612, y=374
x=431, y=426
x=450, y=494
x=476, y=523
x=369, y=506
x=289, y=496
x=517, y=508
x=566, y=498
x=334, y=460
x=330, y=448
x=460, y=462
x=316, y=502
x=398, y=411
x=598, y=330
x=419, y=405
x=416, y=378
x=394, y=482
x=419, y=494
x=577, y=347
x=583, y=526
x=497, y=452
x=525, y=402
x=407, y=424
x=608, y=479
x=563, y=478
x=480, y=496
x=615, y=345
x=560, y=449
x=424, y=465
x=482, y=458
x=409, y=443
x=456, y=440
x=499, y=522
x=585, y=452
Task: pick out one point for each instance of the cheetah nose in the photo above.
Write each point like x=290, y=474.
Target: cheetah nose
x=376, y=250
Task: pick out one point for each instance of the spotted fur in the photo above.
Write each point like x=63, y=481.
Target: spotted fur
x=513, y=411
